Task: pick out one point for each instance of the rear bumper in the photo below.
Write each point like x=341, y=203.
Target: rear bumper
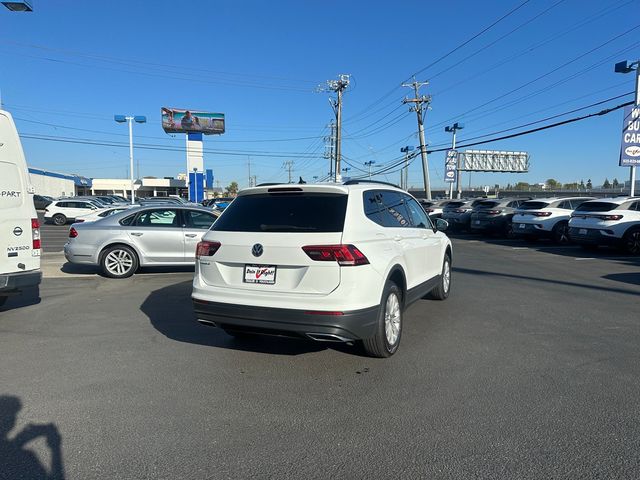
x=353, y=325
x=529, y=230
x=13, y=282
x=592, y=236
x=488, y=224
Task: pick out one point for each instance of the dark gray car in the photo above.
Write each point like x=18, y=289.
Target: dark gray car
x=494, y=215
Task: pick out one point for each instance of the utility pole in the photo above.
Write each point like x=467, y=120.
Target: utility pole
x=288, y=165
x=420, y=110
x=368, y=164
x=404, y=175
x=249, y=168
x=329, y=151
x=338, y=86
x=453, y=129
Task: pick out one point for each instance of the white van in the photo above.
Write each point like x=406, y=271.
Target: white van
x=19, y=228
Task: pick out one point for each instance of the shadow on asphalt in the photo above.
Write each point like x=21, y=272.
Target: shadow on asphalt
x=16, y=459
x=79, y=269
x=631, y=278
x=28, y=296
x=600, y=288
x=170, y=311
x=547, y=246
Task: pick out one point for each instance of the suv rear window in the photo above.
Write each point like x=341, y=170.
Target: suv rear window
x=278, y=212
x=454, y=205
x=487, y=204
x=534, y=205
x=596, y=207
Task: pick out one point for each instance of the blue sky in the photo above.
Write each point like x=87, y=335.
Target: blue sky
x=69, y=66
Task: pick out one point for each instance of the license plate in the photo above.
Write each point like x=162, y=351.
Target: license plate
x=264, y=274
x=522, y=225
x=582, y=231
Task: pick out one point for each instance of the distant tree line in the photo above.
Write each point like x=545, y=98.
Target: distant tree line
x=553, y=184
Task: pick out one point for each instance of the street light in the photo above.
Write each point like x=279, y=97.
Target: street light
x=453, y=129
x=23, y=6
x=625, y=67
x=137, y=119
x=368, y=164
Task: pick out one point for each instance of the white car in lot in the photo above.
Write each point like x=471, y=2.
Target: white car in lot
x=67, y=210
x=607, y=221
x=546, y=218
x=329, y=262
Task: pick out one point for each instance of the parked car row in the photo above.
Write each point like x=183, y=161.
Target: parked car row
x=586, y=221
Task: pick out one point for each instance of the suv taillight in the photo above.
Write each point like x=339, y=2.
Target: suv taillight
x=541, y=214
x=493, y=212
x=345, y=255
x=609, y=217
x=207, y=249
x=35, y=234
x=73, y=233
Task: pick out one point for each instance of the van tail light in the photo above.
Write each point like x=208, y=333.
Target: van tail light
x=35, y=234
x=73, y=233
x=541, y=214
x=207, y=249
x=609, y=217
x=345, y=255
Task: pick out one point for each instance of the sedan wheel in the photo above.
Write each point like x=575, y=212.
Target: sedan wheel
x=632, y=242
x=119, y=262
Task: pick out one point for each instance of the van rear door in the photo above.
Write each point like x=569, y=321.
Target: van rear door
x=17, y=211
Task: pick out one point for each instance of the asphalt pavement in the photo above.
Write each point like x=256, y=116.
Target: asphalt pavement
x=529, y=370
x=53, y=236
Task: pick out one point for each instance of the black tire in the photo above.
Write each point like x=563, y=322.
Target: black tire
x=119, y=261
x=560, y=233
x=589, y=247
x=380, y=345
x=441, y=291
x=631, y=241
x=59, y=219
x=507, y=230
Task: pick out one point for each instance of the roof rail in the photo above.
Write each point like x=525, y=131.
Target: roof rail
x=357, y=182
x=270, y=184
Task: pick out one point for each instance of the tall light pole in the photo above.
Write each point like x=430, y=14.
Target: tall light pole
x=368, y=164
x=624, y=67
x=453, y=129
x=130, y=119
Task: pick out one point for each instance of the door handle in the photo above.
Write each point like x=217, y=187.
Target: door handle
x=137, y=234
x=191, y=235
x=397, y=238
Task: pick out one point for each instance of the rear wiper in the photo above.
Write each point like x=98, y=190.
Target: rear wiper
x=267, y=228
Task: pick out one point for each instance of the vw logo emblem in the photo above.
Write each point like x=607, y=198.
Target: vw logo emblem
x=17, y=231
x=257, y=250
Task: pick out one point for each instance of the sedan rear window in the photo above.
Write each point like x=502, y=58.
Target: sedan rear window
x=296, y=212
x=596, y=207
x=533, y=205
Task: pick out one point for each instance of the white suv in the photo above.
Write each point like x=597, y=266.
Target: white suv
x=546, y=217
x=607, y=221
x=63, y=211
x=330, y=262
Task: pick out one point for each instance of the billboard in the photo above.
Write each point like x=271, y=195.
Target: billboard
x=175, y=120
x=450, y=166
x=493, y=161
x=630, y=148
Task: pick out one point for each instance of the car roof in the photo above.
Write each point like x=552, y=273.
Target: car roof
x=618, y=200
x=320, y=187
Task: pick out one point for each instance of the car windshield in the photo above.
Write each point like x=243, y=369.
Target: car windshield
x=597, y=207
x=307, y=212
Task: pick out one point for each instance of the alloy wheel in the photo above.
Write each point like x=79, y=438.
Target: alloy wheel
x=118, y=262
x=392, y=319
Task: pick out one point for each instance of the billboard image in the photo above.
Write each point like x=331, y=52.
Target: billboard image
x=175, y=120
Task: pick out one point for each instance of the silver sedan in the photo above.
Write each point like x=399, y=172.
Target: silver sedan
x=145, y=236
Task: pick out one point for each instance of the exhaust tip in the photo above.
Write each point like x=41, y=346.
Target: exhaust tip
x=206, y=323
x=327, y=337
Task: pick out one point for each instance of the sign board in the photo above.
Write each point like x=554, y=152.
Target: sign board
x=450, y=166
x=493, y=161
x=630, y=147
x=175, y=120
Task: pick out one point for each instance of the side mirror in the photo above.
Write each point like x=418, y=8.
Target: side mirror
x=441, y=225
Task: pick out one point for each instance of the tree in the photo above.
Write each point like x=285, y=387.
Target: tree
x=571, y=186
x=232, y=188
x=582, y=184
x=589, y=184
x=522, y=186
x=615, y=183
x=606, y=183
x=553, y=184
